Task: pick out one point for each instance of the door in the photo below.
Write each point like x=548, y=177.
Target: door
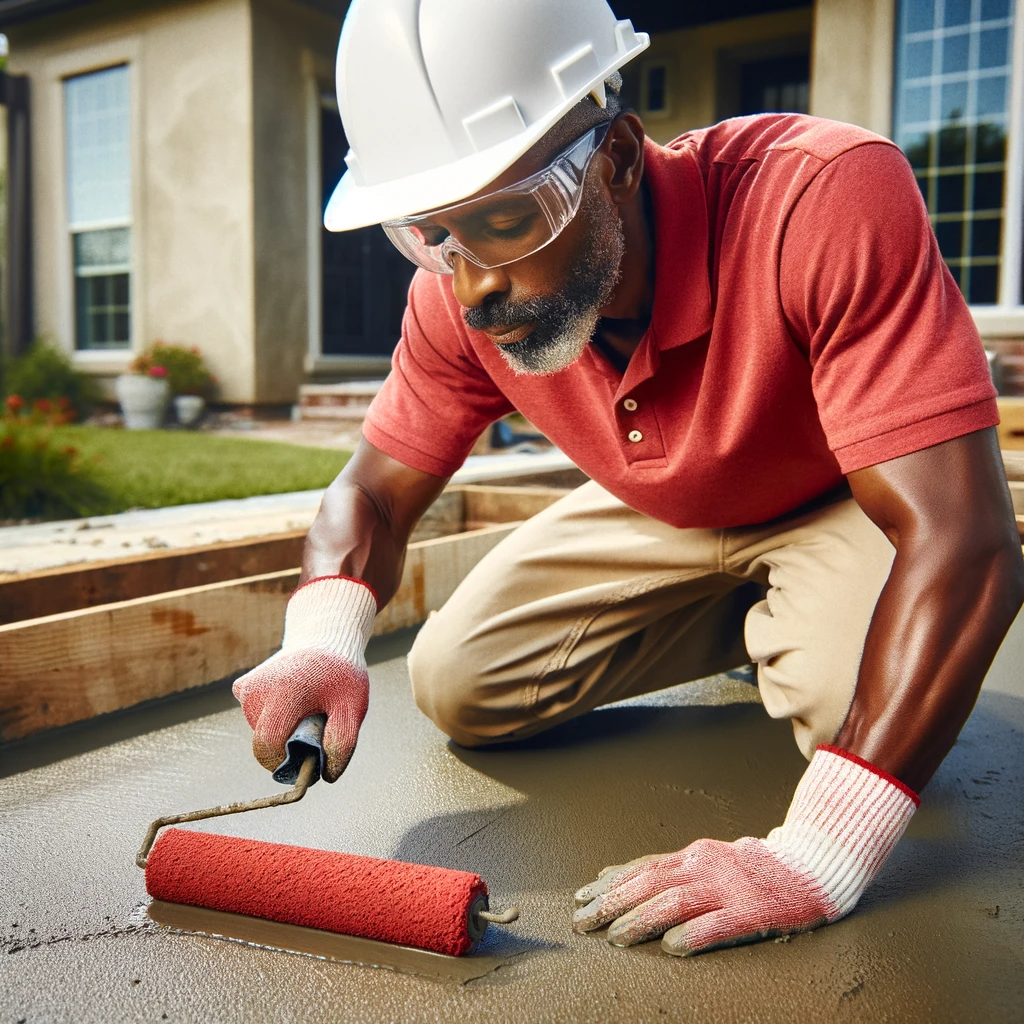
x=365, y=278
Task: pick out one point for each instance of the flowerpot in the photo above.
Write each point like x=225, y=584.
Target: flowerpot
x=189, y=408
x=143, y=400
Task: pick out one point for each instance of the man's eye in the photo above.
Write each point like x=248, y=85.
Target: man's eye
x=510, y=229
x=429, y=235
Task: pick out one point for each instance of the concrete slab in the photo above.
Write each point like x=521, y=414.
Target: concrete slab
x=939, y=937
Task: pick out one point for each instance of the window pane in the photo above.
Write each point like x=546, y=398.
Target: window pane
x=102, y=248
x=992, y=95
x=951, y=103
x=920, y=15
x=988, y=190
x=992, y=48
x=917, y=104
x=985, y=237
x=954, y=53
x=97, y=146
x=954, y=101
x=919, y=59
x=958, y=12
x=950, y=234
x=994, y=9
x=102, y=312
x=951, y=193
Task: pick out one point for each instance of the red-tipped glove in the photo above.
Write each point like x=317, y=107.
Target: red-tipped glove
x=845, y=819
x=321, y=667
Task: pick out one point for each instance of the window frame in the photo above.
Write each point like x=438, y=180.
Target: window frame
x=102, y=224
x=126, y=51
x=1005, y=317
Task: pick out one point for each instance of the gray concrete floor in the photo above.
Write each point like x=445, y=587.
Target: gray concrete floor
x=939, y=937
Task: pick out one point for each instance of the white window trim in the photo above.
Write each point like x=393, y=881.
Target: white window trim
x=126, y=50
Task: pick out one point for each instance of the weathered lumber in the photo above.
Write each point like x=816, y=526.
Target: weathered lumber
x=75, y=665
x=71, y=587
x=88, y=585
x=484, y=504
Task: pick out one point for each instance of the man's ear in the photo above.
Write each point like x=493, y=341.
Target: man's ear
x=624, y=148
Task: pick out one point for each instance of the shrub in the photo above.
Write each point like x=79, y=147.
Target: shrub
x=40, y=478
x=44, y=373
x=185, y=369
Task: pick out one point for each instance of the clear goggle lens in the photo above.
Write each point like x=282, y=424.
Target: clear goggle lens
x=506, y=225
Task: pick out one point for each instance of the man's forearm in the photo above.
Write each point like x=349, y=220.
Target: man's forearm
x=365, y=520
x=938, y=624
x=956, y=584
x=350, y=537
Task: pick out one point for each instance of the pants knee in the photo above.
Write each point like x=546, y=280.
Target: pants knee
x=443, y=687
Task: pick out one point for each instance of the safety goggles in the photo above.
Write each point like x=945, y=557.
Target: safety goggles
x=503, y=226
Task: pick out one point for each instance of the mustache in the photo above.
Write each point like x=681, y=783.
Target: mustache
x=510, y=313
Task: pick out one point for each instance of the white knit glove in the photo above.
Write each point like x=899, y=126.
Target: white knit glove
x=321, y=667
x=845, y=819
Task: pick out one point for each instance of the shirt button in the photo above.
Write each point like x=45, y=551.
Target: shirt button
x=629, y=405
x=635, y=435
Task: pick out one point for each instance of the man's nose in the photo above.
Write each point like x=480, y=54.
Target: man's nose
x=472, y=285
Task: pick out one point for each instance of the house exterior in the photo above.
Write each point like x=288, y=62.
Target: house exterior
x=181, y=152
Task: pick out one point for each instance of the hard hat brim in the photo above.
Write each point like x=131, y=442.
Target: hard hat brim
x=357, y=206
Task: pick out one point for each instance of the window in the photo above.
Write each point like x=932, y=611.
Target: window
x=951, y=119
x=654, y=99
x=776, y=85
x=98, y=159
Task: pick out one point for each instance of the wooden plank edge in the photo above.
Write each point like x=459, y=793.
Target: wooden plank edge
x=67, y=667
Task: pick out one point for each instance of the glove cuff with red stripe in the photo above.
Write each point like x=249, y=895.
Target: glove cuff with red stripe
x=333, y=613
x=845, y=819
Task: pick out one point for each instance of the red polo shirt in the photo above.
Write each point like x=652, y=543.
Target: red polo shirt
x=804, y=326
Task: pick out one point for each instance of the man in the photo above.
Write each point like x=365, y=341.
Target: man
x=749, y=341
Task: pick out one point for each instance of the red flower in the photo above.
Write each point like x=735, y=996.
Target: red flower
x=15, y=402
x=43, y=405
x=157, y=371
x=63, y=403
x=7, y=443
x=71, y=451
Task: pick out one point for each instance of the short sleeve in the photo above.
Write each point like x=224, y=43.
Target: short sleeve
x=438, y=399
x=897, y=362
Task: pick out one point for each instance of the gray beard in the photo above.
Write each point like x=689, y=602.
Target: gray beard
x=564, y=323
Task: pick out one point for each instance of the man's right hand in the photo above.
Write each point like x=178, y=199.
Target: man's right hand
x=321, y=667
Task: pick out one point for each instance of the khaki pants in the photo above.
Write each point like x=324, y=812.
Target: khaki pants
x=590, y=602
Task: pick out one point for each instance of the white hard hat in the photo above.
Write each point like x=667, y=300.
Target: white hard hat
x=439, y=97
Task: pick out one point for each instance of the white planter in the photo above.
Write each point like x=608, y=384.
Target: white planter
x=188, y=408
x=143, y=400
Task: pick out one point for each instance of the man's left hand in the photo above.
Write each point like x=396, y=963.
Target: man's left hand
x=844, y=821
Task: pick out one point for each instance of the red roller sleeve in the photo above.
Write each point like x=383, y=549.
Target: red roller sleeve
x=407, y=904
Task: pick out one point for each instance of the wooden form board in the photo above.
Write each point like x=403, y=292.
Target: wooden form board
x=76, y=665
x=88, y=585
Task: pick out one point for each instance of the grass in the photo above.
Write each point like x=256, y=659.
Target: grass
x=155, y=468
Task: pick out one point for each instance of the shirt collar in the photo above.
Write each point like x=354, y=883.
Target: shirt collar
x=682, y=289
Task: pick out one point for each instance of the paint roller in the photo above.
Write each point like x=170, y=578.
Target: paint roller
x=432, y=908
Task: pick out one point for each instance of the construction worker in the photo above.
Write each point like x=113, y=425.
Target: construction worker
x=749, y=341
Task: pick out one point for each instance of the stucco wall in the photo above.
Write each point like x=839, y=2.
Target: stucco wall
x=852, y=62
x=293, y=60
x=192, y=230
x=694, y=58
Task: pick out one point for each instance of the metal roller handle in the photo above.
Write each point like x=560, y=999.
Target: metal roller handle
x=306, y=740
x=302, y=766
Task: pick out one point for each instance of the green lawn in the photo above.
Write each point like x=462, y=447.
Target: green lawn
x=154, y=468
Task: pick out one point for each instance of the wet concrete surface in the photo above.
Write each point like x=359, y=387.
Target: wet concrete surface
x=939, y=937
